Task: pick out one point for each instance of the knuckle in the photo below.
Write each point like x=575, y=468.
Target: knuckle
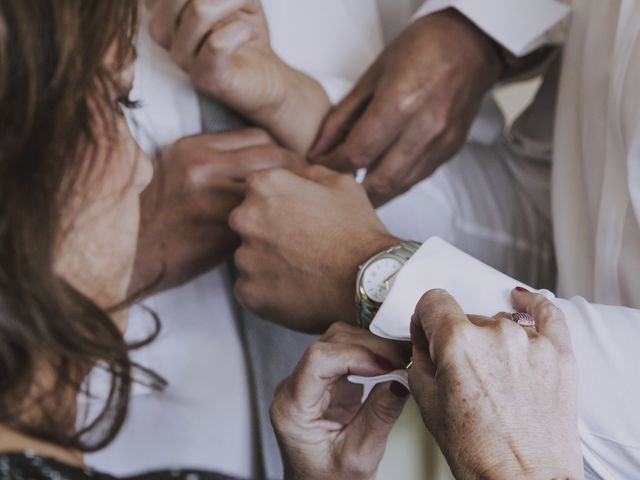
x=317, y=171
x=279, y=408
x=337, y=329
x=453, y=136
x=381, y=189
x=358, y=160
x=315, y=354
x=355, y=156
x=182, y=144
x=248, y=295
x=546, y=309
x=409, y=102
x=199, y=8
x=545, y=350
x=436, y=122
x=241, y=259
x=237, y=220
x=196, y=175
x=261, y=181
x=453, y=333
x=430, y=300
x=346, y=179
x=398, y=184
x=508, y=331
x=343, y=337
x=214, y=44
x=258, y=134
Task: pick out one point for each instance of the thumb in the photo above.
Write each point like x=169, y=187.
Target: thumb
x=366, y=435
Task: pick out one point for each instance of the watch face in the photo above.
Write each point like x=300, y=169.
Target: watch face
x=378, y=278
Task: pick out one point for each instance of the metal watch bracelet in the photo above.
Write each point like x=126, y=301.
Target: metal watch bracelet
x=366, y=309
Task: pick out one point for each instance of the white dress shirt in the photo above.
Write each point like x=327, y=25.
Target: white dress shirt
x=596, y=219
x=204, y=418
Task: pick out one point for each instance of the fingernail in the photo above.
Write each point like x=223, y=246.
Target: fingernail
x=384, y=364
x=398, y=389
x=522, y=290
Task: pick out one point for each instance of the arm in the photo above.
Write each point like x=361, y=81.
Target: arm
x=525, y=31
x=225, y=48
x=604, y=338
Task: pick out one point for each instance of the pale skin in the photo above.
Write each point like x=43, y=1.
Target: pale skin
x=501, y=400
x=320, y=424
x=224, y=46
x=97, y=251
x=318, y=263
x=202, y=177
x=304, y=233
x=408, y=114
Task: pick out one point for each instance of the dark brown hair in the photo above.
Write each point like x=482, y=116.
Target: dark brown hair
x=52, y=73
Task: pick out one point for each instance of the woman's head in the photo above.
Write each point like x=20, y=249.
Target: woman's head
x=70, y=178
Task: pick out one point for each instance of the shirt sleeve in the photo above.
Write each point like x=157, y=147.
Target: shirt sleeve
x=605, y=340
x=520, y=26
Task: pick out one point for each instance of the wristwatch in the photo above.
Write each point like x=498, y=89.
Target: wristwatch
x=375, y=279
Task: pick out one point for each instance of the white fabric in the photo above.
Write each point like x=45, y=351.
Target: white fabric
x=521, y=26
x=483, y=291
x=596, y=216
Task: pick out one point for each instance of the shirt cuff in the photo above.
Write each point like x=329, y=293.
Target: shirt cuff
x=520, y=26
x=478, y=288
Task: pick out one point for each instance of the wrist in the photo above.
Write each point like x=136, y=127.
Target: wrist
x=532, y=470
x=295, y=113
x=479, y=50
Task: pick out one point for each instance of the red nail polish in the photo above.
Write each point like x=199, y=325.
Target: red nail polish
x=398, y=389
x=522, y=289
x=384, y=364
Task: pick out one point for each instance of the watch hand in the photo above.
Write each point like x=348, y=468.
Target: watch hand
x=386, y=280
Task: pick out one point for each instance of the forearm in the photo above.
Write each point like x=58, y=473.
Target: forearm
x=604, y=340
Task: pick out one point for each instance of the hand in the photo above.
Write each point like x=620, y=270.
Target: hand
x=501, y=400
x=303, y=238
x=413, y=108
x=323, y=430
x=201, y=179
x=225, y=48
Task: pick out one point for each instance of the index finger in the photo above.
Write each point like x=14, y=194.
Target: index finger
x=236, y=139
x=239, y=164
x=441, y=319
x=338, y=122
x=322, y=365
x=369, y=138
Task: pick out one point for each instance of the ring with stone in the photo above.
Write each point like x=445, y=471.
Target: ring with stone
x=523, y=319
